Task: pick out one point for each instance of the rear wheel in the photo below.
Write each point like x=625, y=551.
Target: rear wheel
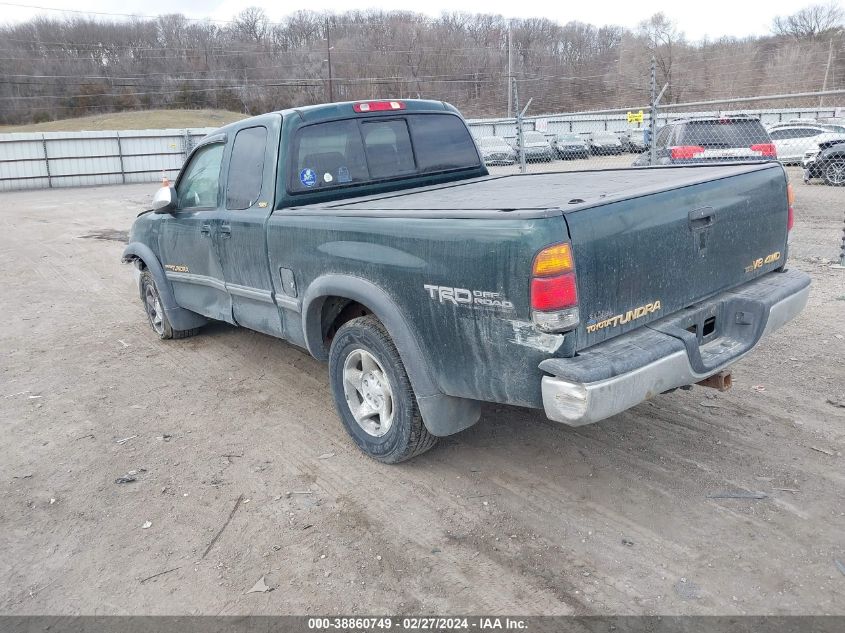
x=373, y=394
x=155, y=311
x=834, y=173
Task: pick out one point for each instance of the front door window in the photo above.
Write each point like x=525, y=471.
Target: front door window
x=200, y=185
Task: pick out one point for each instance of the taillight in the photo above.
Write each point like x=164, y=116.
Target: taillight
x=790, y=201
x=552, y=260
x=765, y=149
x=686, y=151
x=378, y=106
x=554, y=291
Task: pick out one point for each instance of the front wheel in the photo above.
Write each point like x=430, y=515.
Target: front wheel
x=155, y=311
x=834, y=173
x=373, y=394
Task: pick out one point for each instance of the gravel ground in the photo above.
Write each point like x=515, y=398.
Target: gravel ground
x=517, y=515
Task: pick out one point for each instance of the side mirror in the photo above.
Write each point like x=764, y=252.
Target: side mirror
x=165, y=200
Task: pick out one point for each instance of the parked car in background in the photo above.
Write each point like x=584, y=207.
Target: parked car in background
x=793, y=141
x=822, y=141
x=570, y=146
x=832, y=124
x=790, y=123
x=624, y=138
x=709, y=139
x=827, y=161
x=637, y=141
x=604, y=143
x=537, y=147
x=839, y=128
x=495, y=150
x=835, y=124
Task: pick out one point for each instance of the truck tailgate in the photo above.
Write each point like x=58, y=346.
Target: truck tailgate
x=645, y=257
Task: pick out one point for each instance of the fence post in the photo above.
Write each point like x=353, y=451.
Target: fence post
x=519, y=133
x=653, y=115
x=46, y=161
x=120, y=156
x=187, y=144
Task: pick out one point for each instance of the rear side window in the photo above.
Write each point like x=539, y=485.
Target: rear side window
x=328, y=155
x=724, y=133
x=442, y=142
x=356, y=151
x=246, y=168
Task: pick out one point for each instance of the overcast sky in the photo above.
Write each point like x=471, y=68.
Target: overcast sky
x=710, y=18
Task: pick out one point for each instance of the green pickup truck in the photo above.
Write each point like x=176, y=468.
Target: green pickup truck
x=371, y=234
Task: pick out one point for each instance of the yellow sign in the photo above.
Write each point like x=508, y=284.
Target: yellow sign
x=635, y=117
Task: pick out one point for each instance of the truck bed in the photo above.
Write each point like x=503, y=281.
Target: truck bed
x=536, y=194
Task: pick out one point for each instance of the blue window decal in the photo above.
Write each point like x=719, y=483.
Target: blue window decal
x=308, y=177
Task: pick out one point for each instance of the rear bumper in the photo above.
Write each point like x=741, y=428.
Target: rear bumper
x=618, y=374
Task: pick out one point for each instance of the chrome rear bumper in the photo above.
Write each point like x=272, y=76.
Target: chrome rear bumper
x=575, y=403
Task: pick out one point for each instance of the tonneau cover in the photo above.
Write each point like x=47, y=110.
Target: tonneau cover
x=569, y=191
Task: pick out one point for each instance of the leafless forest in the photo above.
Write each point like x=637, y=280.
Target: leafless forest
x=57, y=68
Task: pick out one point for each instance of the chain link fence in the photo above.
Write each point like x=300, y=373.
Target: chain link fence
x=787, y=128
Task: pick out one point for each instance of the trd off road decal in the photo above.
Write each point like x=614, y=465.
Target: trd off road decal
x=466, y=297
x=176, y=268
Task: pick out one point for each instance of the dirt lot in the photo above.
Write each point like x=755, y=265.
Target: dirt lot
x=517, y=515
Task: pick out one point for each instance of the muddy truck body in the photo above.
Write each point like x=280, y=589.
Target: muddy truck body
x=372, y=235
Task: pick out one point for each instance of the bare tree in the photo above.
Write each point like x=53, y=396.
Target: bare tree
x=662, y=39
x=252, y=23
x=56, y=68
x=810, y=22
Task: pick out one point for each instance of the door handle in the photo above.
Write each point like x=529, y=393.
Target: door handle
x=205, y=230
x=701, y=218
x=226, y=230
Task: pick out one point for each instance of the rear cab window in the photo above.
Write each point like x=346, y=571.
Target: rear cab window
x=349, y=152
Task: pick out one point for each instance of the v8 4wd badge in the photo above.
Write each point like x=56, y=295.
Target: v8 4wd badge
x=762, y=261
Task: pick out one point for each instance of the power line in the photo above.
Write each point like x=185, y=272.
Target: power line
x=117, y=15
x=277, y=84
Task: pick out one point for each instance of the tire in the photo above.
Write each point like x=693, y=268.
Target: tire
x=151, y=300
x=834, y=173
x=367, y=373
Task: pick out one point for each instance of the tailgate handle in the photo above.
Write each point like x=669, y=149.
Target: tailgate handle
x=701, y=218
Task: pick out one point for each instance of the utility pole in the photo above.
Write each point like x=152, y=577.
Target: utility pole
x=329, y=60
x=510, y=72
x=829, y=60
